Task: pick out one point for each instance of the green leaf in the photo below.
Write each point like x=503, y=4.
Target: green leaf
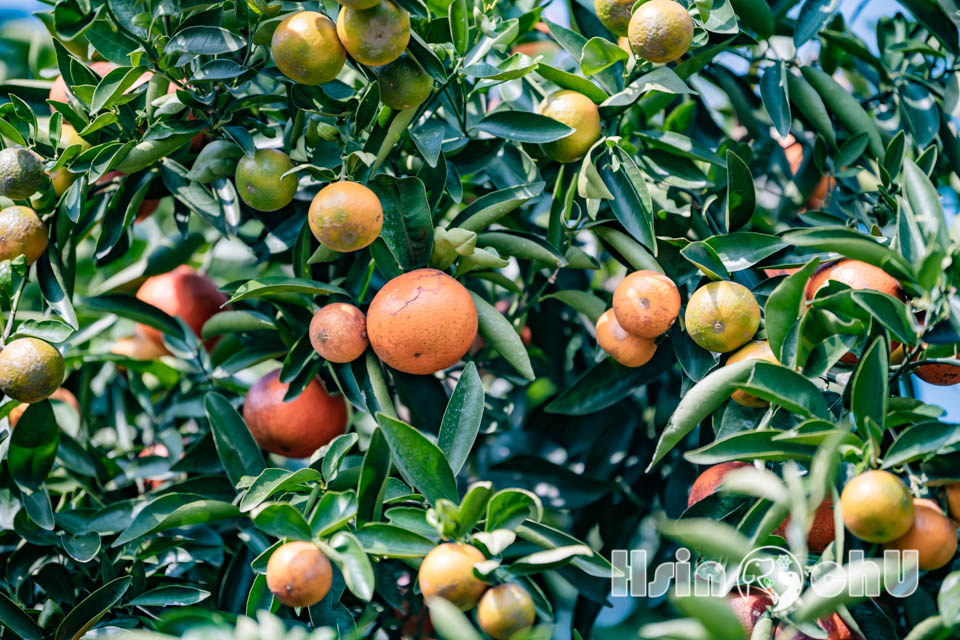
x=407, y=223
x=775, y=93
x=572, y=81
x=925, y=202
x=787, y=388
x=607, y=383
x=583, y=301
x=175, y=510
x=450, y=622
x=273, y=481
x=236, y=447
x=852, y=244
x=813, y=15
x=752, y=445
x=113, y=85
x=844, y=106
x=497, y=331
x=698, y=403
x=350, y=558
x=629, y=191
x=741, y=196
x=948, y=599
x=508, y=508
x=373, y=479
x=170, y=596
x=278, y=285
x=204, y=41
x=489, y=208
x=283, y=521
x=599, y=54
x=549, y=559
x=716, y=540
x=869, y=391
x=13, y=618
x=462, y=418
x=389, y=541
x=920, y=441
x=133, y=309
x=783, y=308
x=715, y=614
x=33, y=446
x=421, y=463
x=810, y=105
x=523, y=126
x=459, y=25
x=86, y=614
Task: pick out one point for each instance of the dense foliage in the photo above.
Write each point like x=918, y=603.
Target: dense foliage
x=779, y=143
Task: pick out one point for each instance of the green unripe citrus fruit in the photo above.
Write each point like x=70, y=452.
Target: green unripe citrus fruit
x=615, y=14
x=722, y=316
x=578, y=112
x=305, y=47
x=447, y=572
x=660, y=31
x=374, y=36
x=505, y=611
x=21, y=232
x=259, y=181
x=403, y=83
x=30, y=370
x=21, y=173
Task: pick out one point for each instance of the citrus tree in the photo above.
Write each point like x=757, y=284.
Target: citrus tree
x=403, y=318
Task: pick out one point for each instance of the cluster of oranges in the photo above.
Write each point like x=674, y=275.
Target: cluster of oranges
x=645, y=306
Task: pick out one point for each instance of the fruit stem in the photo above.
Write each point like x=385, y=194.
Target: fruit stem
x=8, y=329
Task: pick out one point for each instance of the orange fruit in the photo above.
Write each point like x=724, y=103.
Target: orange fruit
x=822, y=530
x=942, y=375
x=722, y=316
x=422, y=322
x=61, y=395
x=306, y=49
x=877, y=507
x=138, y=347
x=748, y=607
x=615, y=14
x=21, y=233
x=953, y=500
x=856, y=275
x=31, y=370
x=374, y=36
x=338, y=332
x=646, y=303
x=660, y=31
x=794, y=153
x=932, y=535
x=447, y=572
x=345, y=216
x=261, y=182
x=578, y=112
x=297, y=428
x=627, y=349
x=753, y=351
x=181, y=293
x=707, y=482
x=505, y=611
x=833, y=625
x=299, y=574
x=403, y=83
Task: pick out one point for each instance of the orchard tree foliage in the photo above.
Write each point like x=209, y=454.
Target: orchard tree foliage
x=778, y=144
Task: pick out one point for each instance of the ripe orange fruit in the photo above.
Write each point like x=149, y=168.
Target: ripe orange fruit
x=345, y=216
x=30, y=370
x=856, y=275
x=403, y=83
x=447, y=572
x=182, y=293
x=297, y=428
x=748, y=607
x=877, y=507
x=259, y=181
x=660, y=31
x=138, y=347
x=21, y=232
x=422, y=322
x=646, y=303
x=299, y=574
x=374, y=36
x=722, y=316
x=338, y=332
x=932, y=535
x=506, y=610
x=306, y=49
x=628, y=350
x=21, y=173
x=578, y=112
x=822, y=530
x=615, y=14
x=794, y=153
x=708, y=481
x=60, y=395
x=942, y=375
x=833, y=625
x=953, y=500
x=753, y=351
